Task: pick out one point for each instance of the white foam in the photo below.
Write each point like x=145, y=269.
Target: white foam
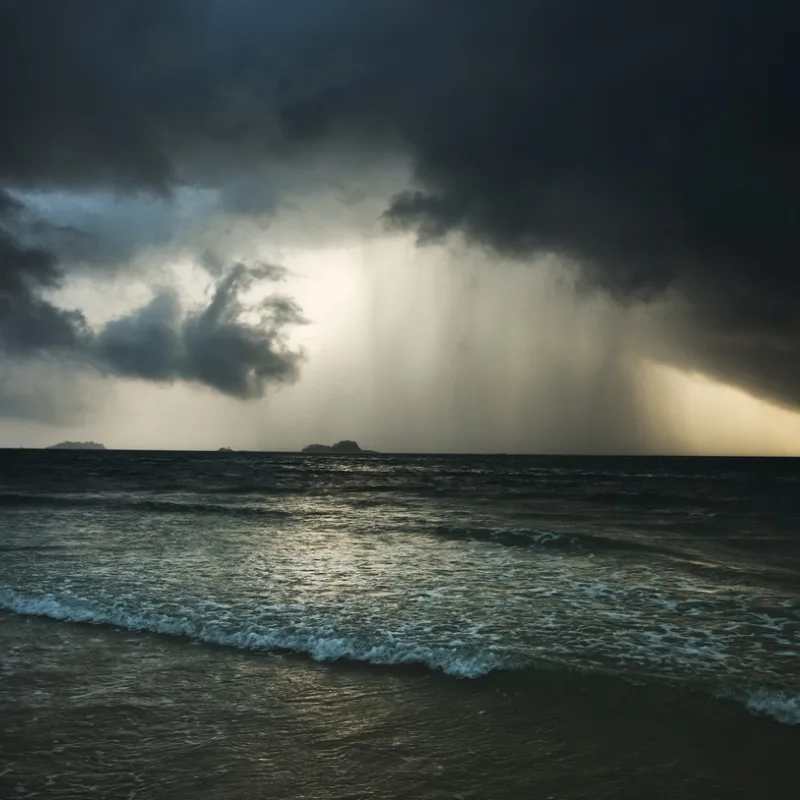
x=781, y=706
x=315, y=642
x=543, y=537
x=600, y=620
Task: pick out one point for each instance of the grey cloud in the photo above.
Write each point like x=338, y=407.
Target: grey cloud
x=216, y=346
x=213, y=346
x=28, y=323
x=44, y=402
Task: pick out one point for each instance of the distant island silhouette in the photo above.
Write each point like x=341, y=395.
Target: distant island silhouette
x=345, y=446
x=76, y=446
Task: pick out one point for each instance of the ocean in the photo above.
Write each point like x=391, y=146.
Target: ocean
x=247, y=625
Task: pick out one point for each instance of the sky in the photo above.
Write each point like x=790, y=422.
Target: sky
x=548, y=226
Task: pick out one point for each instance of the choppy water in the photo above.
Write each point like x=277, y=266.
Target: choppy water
x=680, y=570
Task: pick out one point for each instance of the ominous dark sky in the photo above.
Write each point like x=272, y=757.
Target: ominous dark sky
x=655, y=144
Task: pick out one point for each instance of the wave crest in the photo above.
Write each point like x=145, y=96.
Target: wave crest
x=319, y=644
x=323, y=644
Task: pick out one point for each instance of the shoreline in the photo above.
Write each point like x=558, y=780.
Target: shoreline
x=744, y=699
x=194, y=716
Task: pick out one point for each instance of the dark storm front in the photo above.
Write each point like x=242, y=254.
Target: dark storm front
x=669, y=571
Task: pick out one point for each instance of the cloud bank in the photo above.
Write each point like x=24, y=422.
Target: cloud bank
x=654, y=145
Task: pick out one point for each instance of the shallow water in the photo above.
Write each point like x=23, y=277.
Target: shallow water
x=94, y=712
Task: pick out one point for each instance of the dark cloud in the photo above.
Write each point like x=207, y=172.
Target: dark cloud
x=656, y=145
x=653, y=143
x=216, y=346
x=212, y=346
x=29, y=324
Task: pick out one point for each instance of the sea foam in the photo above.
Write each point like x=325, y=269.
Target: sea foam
x=322, y=644
x=319, y=643
x=779, y=705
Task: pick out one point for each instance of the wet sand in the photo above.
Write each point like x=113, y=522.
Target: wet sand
x=89, y=711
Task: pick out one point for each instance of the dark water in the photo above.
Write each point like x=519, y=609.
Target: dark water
x=571, y=627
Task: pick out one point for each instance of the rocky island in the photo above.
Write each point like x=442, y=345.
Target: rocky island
x=346, y=446
x=76, y=446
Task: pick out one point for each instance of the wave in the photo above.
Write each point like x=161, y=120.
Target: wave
x=779, y=705
x=320, y=644
x=578, y=542
x=323, y=645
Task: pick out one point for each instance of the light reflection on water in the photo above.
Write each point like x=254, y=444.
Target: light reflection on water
x=465, y=566
x=321, y=576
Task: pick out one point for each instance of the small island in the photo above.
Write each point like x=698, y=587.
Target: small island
x=76, y=446
x=346, y=446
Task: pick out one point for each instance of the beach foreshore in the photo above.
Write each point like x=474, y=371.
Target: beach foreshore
x=94, y=711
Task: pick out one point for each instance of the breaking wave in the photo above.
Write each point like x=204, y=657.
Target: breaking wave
x=323, y=644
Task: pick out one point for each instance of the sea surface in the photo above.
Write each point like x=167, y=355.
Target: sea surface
x=245, y=625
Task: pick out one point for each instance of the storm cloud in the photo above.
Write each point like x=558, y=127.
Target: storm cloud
x=213, y=346
x=653, y=144
x=28, y=323
x=227, y=345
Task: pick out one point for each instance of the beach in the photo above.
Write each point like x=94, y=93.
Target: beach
x=90, y=711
